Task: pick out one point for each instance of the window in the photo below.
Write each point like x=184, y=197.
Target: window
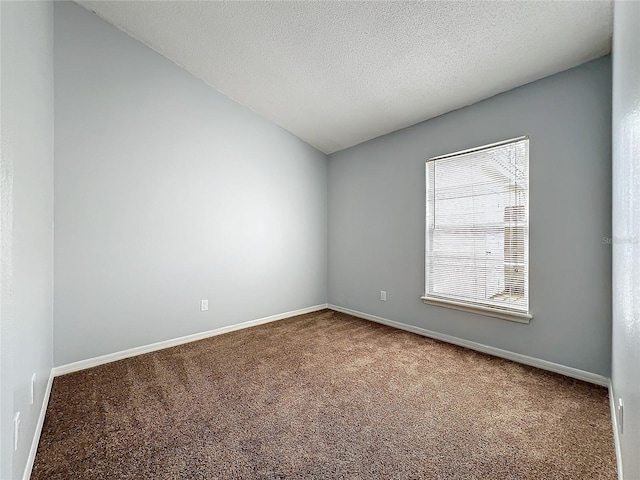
x=477, y=230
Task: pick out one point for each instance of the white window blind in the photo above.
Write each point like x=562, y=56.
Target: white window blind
x=477, y=229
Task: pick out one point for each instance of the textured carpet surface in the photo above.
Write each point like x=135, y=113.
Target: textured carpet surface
x=323, y=396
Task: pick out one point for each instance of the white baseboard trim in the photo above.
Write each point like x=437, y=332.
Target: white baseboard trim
x=132, y=352
x=498, y=352
x=616, y=435
x=36, y=435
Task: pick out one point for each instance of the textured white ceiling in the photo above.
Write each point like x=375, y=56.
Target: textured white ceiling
x=338, y=73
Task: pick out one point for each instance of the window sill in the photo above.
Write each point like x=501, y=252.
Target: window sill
x=489, y=312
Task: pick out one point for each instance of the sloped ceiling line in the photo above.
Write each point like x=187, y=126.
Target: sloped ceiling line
x=336, y=74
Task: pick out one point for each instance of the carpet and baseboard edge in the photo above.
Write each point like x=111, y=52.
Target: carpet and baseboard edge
x=36, y=435
x=498, y=352
x=616, y=432
x=516, y=357
x=132, y=352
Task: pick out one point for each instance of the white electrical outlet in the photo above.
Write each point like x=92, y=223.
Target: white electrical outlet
x=383, y=295
x=16, y=430
x=620, y=416
x=204, y=305
x=33, y=387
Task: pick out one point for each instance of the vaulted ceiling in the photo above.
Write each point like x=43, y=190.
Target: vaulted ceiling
x=338, y=73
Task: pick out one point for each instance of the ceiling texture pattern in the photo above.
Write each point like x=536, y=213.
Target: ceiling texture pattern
x=336, y=74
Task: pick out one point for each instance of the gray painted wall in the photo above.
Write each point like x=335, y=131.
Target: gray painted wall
x=377, y=210
x=167, y=193
x=27, y=222
x=626, y=229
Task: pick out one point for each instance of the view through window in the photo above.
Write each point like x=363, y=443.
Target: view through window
x=477, y=227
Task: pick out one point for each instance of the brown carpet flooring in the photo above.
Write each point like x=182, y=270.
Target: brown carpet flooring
x=323, y=396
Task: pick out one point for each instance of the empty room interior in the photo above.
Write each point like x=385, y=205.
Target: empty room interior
x=320, y=240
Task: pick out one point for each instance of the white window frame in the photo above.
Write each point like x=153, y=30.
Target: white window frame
x=477, y=307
